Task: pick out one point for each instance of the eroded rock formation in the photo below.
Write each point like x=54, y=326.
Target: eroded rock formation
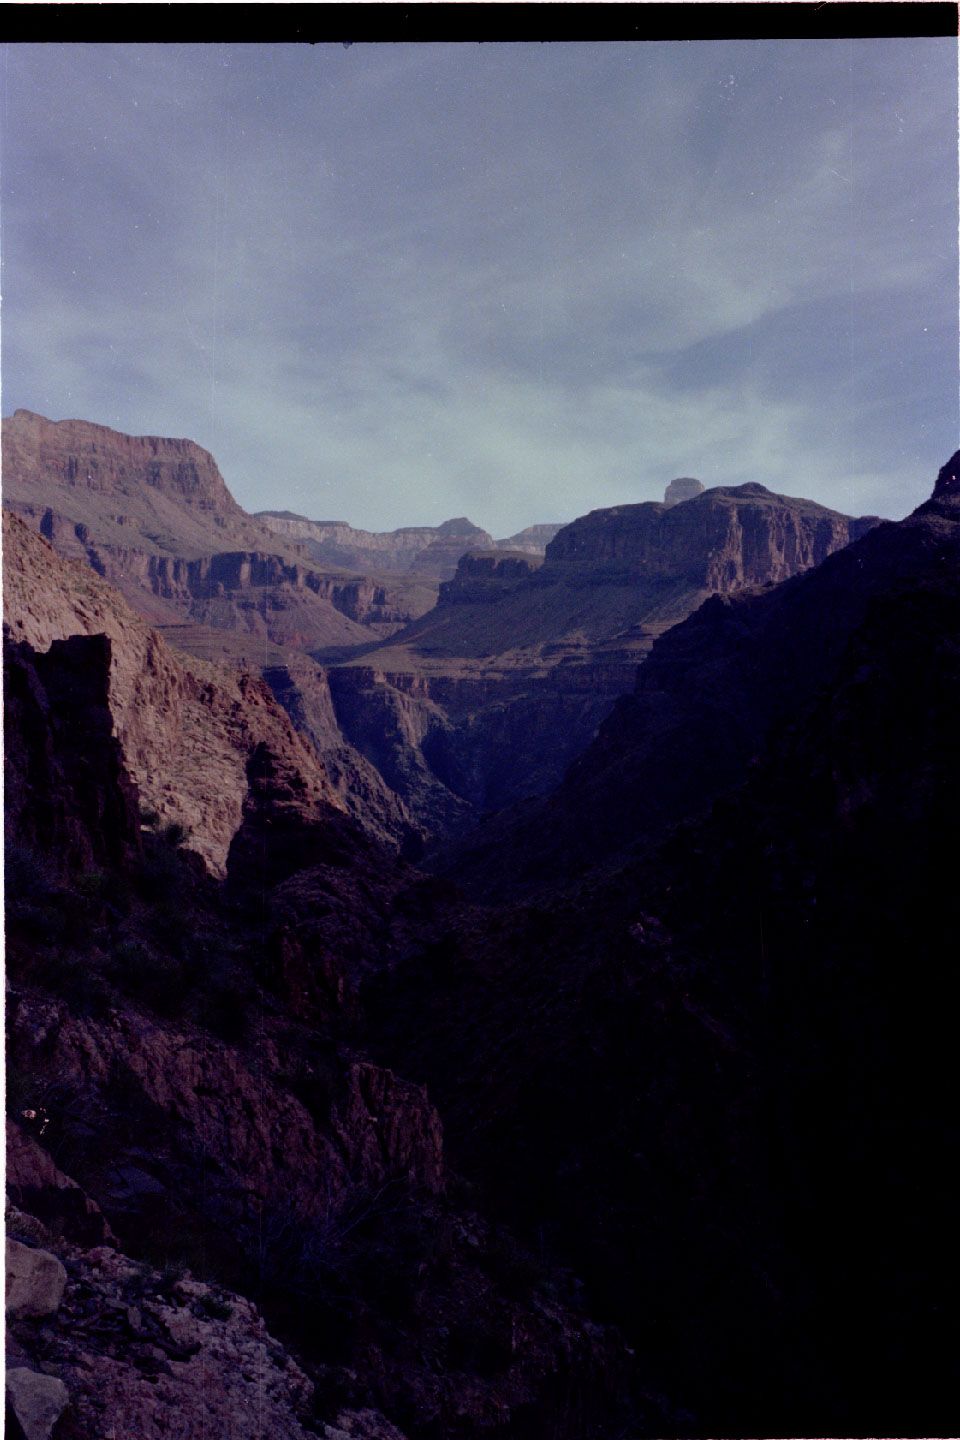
x=185, y=1070
x=684, y=488
x=488, y=698
x=186, y=734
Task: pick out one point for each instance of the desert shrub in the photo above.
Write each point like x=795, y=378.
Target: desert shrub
x=364, y=1250
x=166, y=1260
x=213, y=1307
x=45, y=924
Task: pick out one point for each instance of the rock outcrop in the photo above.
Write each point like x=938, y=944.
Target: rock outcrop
x=495, y=692
x=715, y=1056
x=531, y=541
x=453, y=538
x=186, y=734
x=724, y=540
x=684, y=488
x=186, y=1053
x=428, y=551
x=155, y=518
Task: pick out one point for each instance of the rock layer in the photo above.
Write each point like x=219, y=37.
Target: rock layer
x=425, y=550
x=186, y=735
x=488, y=698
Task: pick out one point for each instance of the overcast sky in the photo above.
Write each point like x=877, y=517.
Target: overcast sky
x=392, y=284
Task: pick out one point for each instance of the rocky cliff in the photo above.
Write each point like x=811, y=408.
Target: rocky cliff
x=227, y=1216
x=428, y=551
x=722, y=540
x=716, y=1062
x=481, y=702
x=78, y=455
x=703, y=701
x=155, y=518
x=491, y=695
x=186, y=733
x=167, y=493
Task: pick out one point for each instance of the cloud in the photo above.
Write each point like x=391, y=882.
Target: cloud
x=393, y=283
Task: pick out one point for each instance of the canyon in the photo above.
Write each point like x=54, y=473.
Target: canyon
x=340, y=1107
x=441, y=711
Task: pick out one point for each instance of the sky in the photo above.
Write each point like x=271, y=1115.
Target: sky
x=396, y=283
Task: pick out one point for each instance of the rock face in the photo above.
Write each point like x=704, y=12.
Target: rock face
x=186, y=735
x=489, y=697
x=36, y=1185
x=718, y=1063
x=423, y=550
x=727, y=539
x=684, y=488
x=155, y=518
x=68, y=791
x=188, y=1052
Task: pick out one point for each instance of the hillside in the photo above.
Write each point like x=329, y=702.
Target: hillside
x=187, y=727
x=223, y=1218
x=713, y=1067
x=155, y=518
x=301, y=1137
x=703, y=702
x=491, y=695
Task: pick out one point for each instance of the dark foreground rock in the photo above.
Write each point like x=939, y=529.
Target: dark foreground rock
x=716, y=1070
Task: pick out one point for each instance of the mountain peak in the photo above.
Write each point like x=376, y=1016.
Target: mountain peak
x=683, y=488
x=948, y=480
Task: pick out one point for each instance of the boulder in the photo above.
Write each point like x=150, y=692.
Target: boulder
x=37, y=1401
x=35, y=1282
